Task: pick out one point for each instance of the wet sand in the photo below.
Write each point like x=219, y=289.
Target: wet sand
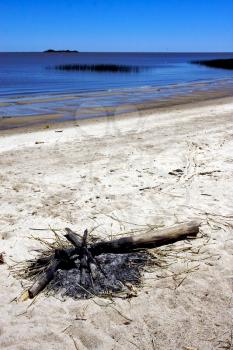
x=61, y=115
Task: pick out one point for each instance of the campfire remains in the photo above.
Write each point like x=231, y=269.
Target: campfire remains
x=84, y=269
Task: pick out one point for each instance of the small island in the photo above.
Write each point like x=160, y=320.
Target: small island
x=60, y=51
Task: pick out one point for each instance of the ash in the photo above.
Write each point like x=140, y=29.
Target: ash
x=111, y=275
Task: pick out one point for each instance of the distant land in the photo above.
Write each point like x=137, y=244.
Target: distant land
x=60, y=51
x=219, y=63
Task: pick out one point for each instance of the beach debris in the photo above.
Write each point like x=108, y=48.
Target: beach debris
x=176, y=172
x=209, y=172
x=83, y=269
x=148, y=188
x=1, y=259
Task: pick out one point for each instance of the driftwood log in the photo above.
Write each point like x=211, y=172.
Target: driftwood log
x=86, y=253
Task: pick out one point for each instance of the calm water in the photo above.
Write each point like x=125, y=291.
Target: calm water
x=26, y=76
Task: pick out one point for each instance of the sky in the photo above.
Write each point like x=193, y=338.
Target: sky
x=117, y=25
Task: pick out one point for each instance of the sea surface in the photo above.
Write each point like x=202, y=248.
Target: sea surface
x=30, y=86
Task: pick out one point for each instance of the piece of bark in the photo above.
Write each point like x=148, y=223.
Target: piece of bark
x=154, y=238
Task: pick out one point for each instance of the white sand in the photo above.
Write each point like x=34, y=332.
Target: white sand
x=120, y=168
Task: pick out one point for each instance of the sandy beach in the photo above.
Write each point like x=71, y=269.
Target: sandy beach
x=117, y=174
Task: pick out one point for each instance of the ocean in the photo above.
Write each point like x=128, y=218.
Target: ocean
x=30, y=86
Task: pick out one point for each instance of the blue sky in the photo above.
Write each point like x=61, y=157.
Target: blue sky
x=116, y=25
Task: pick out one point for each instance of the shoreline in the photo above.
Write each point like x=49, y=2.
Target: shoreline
x=14, y=125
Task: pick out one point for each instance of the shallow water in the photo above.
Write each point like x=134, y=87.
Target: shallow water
x=28, y=87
